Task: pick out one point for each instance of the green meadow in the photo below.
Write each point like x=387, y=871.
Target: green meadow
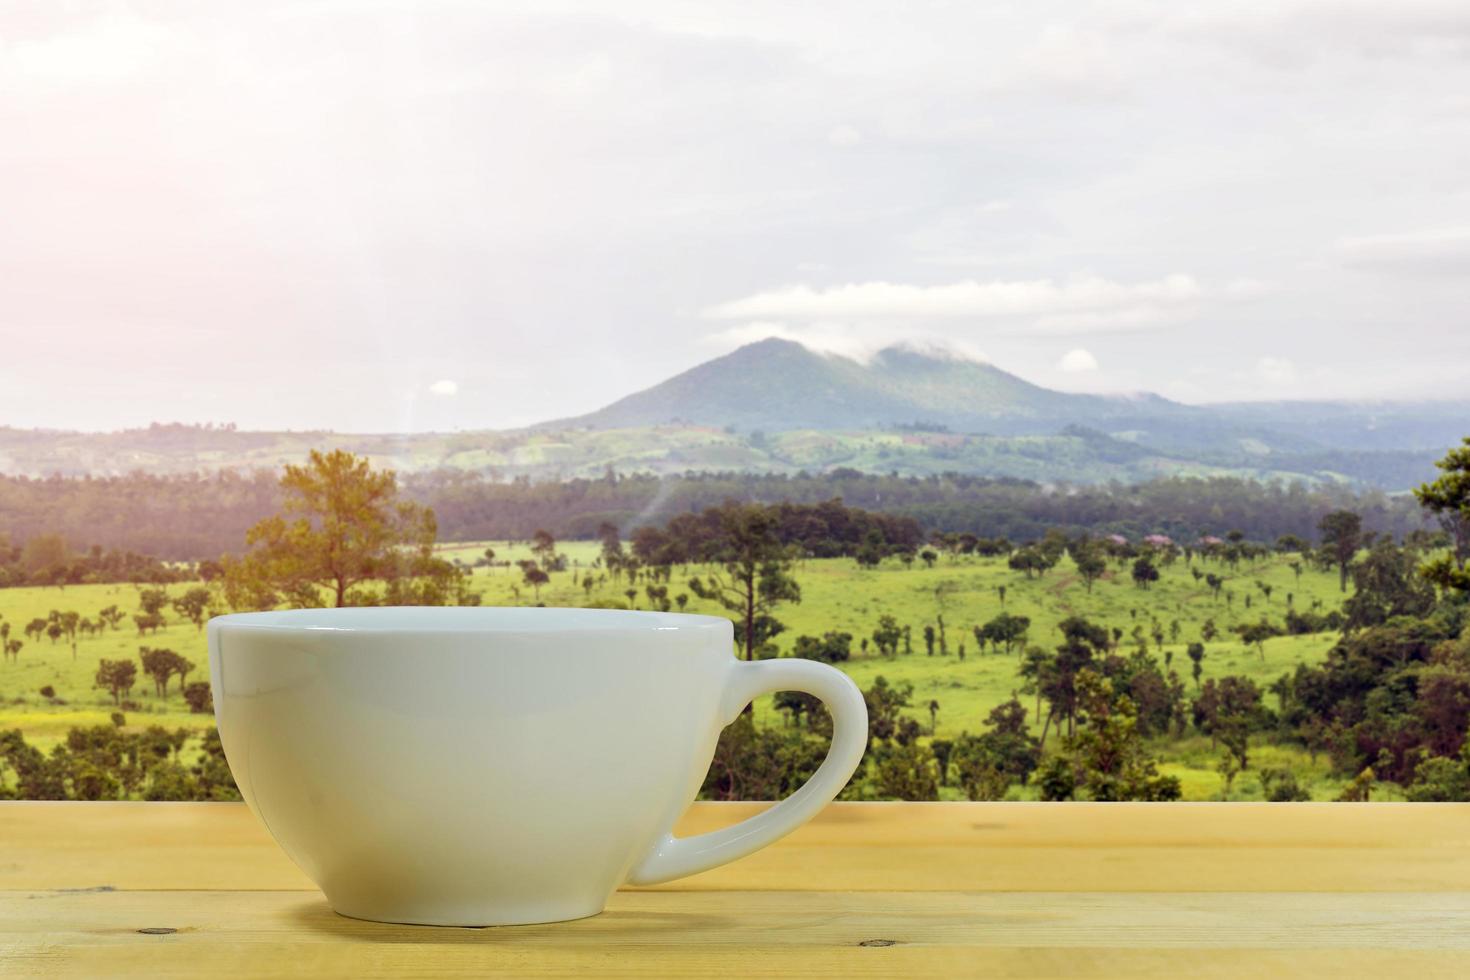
x=836, y=595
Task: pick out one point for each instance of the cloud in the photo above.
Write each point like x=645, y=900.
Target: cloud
x=844, y=136
x=970, y=298
x=1292, y=34
x=859, y=341
x=1276, y=370
x=1247, y=288
x=444, y=388
x=1068, y=62
x=1437, y=252
x=1077, y=361
x=1144, y=317
x=107, y=50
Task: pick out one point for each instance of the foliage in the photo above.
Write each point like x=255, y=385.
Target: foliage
x=192, y=516
x=1448, y=498
x=342, y=528
x=757, y=573
x=110, y=762
x=1105, y=755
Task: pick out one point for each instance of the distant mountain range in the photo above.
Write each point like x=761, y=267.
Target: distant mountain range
x=778, y=406
x=778, y=385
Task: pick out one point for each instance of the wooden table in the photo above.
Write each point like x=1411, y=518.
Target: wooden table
x=995, y=889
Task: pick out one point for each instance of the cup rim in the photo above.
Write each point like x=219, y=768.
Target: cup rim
x=468, y=619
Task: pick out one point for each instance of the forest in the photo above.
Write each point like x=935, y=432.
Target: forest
x=197, y=517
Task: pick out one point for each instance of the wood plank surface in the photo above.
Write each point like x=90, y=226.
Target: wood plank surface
x=866, y=889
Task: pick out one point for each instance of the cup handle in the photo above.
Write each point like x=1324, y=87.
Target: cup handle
x=675, y=857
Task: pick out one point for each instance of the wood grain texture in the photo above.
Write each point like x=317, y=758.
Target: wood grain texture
x=959, y=889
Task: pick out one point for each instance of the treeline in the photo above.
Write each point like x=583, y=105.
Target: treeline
x=830, y=529
x=109, y=762
x=196, y=517
x=47, y=559
x=174, y=518
x=469, y=507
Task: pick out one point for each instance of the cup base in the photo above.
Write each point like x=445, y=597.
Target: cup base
x=470, y=918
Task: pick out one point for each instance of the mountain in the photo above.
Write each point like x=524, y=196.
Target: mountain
x=779, y=385
x=777, y=407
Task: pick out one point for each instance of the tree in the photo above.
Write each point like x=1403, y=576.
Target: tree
x=1106, y=752
x=933, y=716
x=830, y=648
x=1082, y=641
x=985, y=765
x=194, y=604
x=1256, y=634
x=1360, y=790
x=111, y=615
x=757, y=576
x=1228, y=710
x=117, y=676
x=906, y=771
x=199, y=697
x=1196, y=656
x=1090, y=565
x=1386, y=583
x=66, y=624
x=942, y=749
x=161, y=664
x=342, y=526
x=929, y=639
x=1448, y=498
x=1438, y=779
x=1280, y=786
x=1032, y=561
x=543, y=546
x=887, y=635
x=885, y=702
x=1003, y=630
x=148, y=621
x=612, y=544
x=536, y=577
x=1144, y=572
x=1342, y=536
x=1215, y=582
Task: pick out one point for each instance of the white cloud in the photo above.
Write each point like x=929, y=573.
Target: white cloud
x=1444, y=251
x=1247, y=288
x=444, y=388
x=1293, y=33
x=1128, y=319
x=1069, y=62
x=107, y=50
x=1077, y=361
x=970, y=298
x=1276, y=370
x=844, y=136
x=859, y=341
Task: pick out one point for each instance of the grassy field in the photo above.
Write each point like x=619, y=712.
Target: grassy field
x=836, y=595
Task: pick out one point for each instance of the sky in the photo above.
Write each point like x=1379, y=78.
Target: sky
x=404, y=216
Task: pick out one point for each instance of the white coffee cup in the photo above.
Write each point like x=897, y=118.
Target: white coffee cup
x=487, y=766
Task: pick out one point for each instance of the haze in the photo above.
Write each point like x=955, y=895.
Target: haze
x=410, y=216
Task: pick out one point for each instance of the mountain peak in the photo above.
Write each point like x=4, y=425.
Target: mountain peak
x=928, y=350
x=777, y=384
